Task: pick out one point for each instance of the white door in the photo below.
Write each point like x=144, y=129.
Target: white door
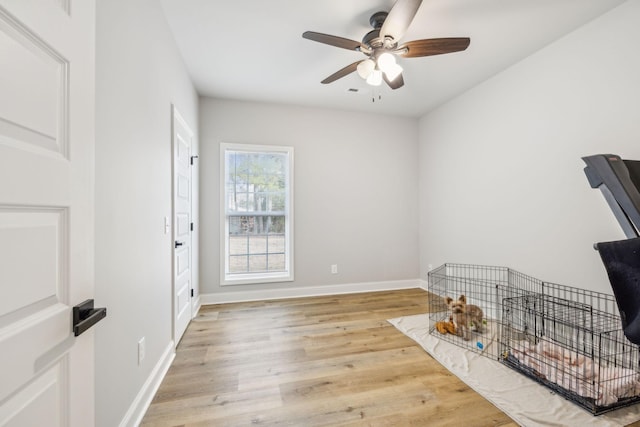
x=46, y=211
x=182, y=225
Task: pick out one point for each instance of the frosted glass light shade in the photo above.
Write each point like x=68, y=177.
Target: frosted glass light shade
x=375, y=78
x=365, y=68
x=392, y=72
x=386, y=61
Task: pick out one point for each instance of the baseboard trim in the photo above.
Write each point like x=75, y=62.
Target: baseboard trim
x=424, y=284
x=195, y=306
x=313, y=291
x=141, y=403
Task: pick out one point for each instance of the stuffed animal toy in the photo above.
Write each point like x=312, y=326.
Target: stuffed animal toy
x=446, y=327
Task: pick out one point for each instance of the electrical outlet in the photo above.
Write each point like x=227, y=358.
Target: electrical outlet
x=334, y=268
x=141, y=351
x=429, y=267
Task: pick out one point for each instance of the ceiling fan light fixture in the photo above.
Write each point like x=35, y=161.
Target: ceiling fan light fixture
x=380, y=46
x=365, y=68
x=386, y=60
x=375, y=78
x=387, y=63
x=392, y=72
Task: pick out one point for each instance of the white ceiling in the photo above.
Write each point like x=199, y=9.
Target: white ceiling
x=254, y=50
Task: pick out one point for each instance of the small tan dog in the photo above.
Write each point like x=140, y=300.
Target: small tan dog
x=465, y=315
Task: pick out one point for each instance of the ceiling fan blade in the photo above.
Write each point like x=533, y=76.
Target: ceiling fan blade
x=396, y=83
x=399, y=18
x=332, y=40
x=429, y=47
x=341, y=73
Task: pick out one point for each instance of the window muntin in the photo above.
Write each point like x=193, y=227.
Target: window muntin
x=257, y=213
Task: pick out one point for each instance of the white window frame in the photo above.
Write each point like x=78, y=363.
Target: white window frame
x=227, y=279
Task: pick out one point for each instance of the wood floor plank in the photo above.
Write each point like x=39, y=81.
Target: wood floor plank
x=346, y=365
x=321, y=361
x=210, y=407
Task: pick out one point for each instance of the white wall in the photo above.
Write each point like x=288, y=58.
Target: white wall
x=355, y=192
x=139, y=75
x=501, y=180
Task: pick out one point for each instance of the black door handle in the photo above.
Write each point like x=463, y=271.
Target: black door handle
x=179, y=243
x=85, y=316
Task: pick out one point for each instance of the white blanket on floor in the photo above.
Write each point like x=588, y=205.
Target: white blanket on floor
x=528, y=403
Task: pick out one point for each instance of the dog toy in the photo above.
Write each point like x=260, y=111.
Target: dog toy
x=446, y=327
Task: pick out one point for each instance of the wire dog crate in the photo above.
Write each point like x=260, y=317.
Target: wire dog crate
x=483, y=286
x=577, y=351
x=566, y=338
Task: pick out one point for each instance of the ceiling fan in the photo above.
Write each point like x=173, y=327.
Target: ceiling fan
x=381, y=46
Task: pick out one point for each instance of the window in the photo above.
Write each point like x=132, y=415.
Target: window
x=256, y=220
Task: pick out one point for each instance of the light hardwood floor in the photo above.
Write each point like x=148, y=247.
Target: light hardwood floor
x=322, y=361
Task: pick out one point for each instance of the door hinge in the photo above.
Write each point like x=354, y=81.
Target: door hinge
x=191, y=226
x=191, y=293
x=193, y=157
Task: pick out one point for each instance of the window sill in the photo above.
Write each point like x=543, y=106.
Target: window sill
x=255, y=279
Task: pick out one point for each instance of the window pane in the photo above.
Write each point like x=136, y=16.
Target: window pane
x=248, y=224
x=235, y=225
x=276, y=243
x=257, y=181
x=238, y=264
x=241, y=187
x=276, y=262
x=241, y=163
x=241, y=202
x=259, y=204
x=257, y=263
x=238, y=245
x=276, y=202
x=254, y=236
x=277, y=224
x=258, y=244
